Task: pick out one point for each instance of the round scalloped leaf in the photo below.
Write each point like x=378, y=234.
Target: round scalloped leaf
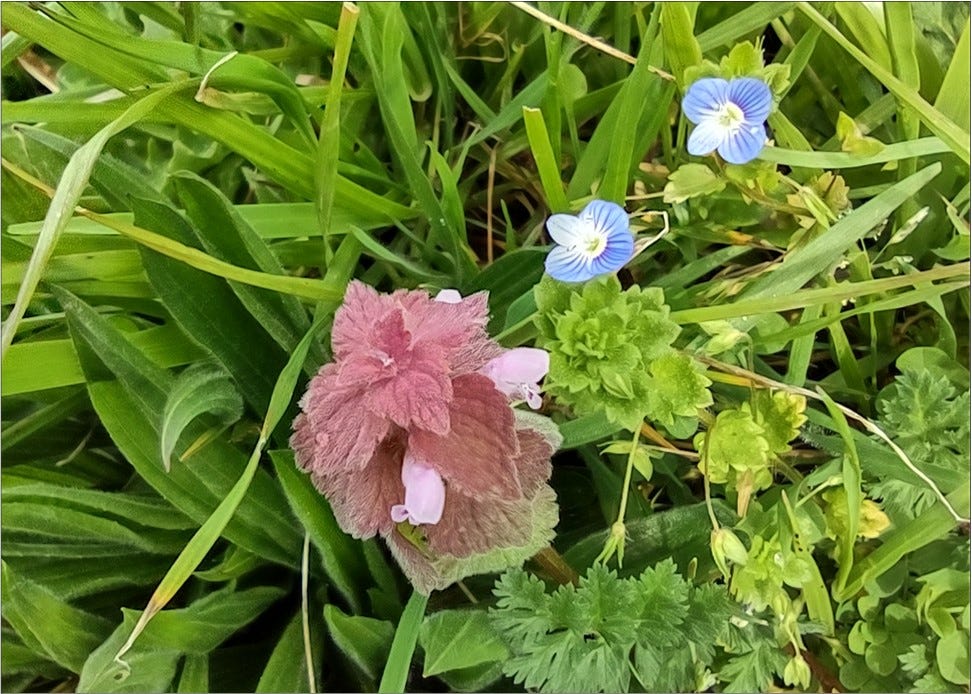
x=780, y=414
x=734, y=443
x=678, y=387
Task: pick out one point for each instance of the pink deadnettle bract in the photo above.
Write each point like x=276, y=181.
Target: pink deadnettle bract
x=413, y=424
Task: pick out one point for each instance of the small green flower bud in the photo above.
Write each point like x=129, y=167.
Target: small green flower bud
x=725, y=545
x=797, y=673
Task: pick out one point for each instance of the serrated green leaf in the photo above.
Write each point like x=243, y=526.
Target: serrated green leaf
x=458, y=639
x=691, y=181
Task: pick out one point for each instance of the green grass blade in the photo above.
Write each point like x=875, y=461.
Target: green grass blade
x=42, y=365
x=923, y=147
x=644, y=101
x=394, y=677
x=851, y=477
x=939, y=124
x=329, y=142
x=815, y=297
x=69, y=190
x=751, y=18
x=543, y=155
x=682, y=50
x=952, y=99
x=382, y=43
x=822, y=252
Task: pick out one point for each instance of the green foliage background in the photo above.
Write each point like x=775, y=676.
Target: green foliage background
x=188, y=188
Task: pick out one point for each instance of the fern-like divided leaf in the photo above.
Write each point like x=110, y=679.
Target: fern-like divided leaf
x=658, y=627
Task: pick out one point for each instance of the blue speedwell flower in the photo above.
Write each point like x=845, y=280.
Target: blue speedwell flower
x=728, y=117
x=595, y=242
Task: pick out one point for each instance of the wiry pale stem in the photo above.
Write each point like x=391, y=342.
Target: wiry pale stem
x=584, y=38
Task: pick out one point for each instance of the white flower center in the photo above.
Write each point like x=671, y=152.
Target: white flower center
x=592, y=242
x=730, y=116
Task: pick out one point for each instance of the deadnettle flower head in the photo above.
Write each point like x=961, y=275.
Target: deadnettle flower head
x=410, y=433
x=728, y=117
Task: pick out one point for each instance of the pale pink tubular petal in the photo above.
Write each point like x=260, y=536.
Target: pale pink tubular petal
x=424, y=492
x=334, y=433
x=520, y=365
x=476, y=456
x=533, y=398
x=448, y=296
x=361, y=499
x=399, y=512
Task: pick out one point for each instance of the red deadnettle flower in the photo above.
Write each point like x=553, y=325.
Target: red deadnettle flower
x=410, y=434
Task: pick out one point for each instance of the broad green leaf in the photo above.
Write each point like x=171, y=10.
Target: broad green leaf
x=365, y=641
x=952, y=656
x=220, y=323
x=586, y=429
x=47, y=624
x=32, y=522
x=508, y=279
x=340, y=554
x=458, y=639
x=681, y=531
x=224, y=234
x=128, y=393
x=195, y=674
x=196, y=630
x=201, y=389
x=286, y=670
x=78, y=577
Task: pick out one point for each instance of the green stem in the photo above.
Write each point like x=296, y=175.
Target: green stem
x=627, y=476
x=705, y=480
